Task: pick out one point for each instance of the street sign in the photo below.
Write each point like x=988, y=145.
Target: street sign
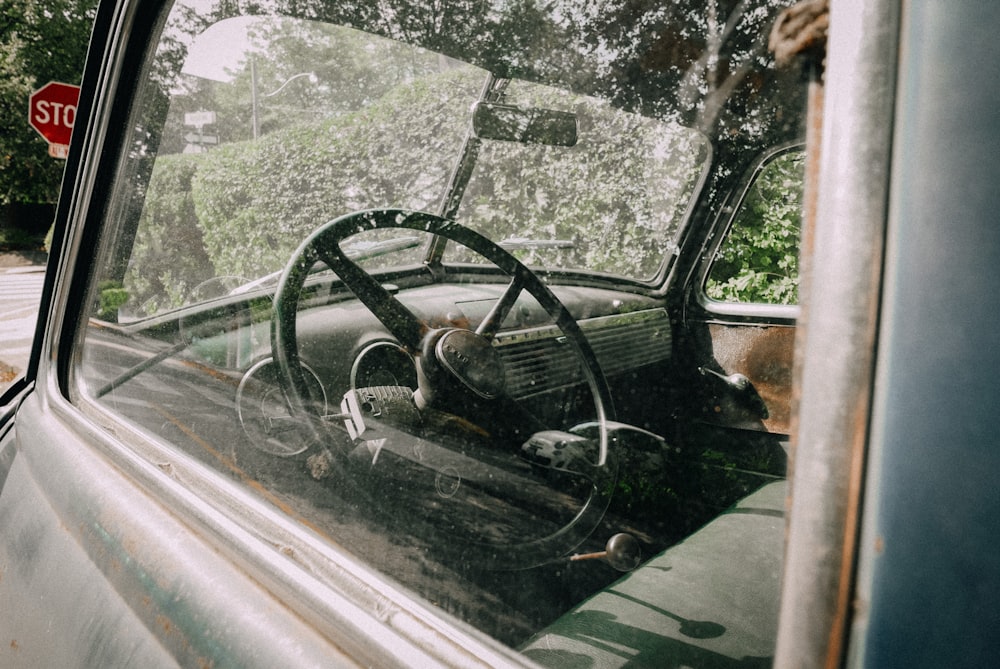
x=199, y=118
x=199, y=138
x=52, y=112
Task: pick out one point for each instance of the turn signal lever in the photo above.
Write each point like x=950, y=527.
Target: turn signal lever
x=621, y=552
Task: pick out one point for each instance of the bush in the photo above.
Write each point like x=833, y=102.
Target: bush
x=169, y=258
x=212, y=211
x=316, y=172
x=759, y=260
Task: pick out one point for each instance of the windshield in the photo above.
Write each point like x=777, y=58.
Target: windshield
x=275, y=126
x=612, y=202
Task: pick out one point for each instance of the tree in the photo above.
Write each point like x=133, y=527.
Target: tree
x=39, y=42
x=759, y=260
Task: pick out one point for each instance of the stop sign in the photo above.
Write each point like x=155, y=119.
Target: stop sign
x=52, y=111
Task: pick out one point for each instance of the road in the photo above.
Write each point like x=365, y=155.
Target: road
x=20, y=289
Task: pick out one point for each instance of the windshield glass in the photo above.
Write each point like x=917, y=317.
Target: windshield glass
x=275, y=126
x=612, y=202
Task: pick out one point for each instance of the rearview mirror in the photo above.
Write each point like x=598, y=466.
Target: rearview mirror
x=508, y=123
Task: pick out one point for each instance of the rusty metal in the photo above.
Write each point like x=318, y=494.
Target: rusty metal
x=842, y=253
x=764, y=354
x=800, y=30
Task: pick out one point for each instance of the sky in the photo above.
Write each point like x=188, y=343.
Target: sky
x=218, y=49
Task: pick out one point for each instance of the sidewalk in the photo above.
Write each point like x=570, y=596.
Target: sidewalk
x=10, y=259
x=21, y=276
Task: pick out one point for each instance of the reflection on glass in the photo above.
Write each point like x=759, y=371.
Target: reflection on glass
x=445, y=348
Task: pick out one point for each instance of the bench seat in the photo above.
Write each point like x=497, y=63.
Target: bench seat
x=709, y=601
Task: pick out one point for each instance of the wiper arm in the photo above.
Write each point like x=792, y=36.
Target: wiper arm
x=360, y=251
x=357, y=251
x=138, y=369
x=519, y=243
x=369, y=250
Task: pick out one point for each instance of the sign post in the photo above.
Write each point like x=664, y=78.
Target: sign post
x=52, y=112
x=197, y=142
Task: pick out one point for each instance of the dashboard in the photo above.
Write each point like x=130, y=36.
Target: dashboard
x=348, y=348
x=344, y=347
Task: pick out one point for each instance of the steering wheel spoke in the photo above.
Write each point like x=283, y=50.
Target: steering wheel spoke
x=498, y=314
x=400, y=321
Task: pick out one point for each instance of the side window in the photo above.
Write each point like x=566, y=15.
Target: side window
x=758, y=261
x=282, y=306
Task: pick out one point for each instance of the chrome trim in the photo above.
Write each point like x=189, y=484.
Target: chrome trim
x=537, y=359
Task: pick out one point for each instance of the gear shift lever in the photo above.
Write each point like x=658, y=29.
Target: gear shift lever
x=621, y=552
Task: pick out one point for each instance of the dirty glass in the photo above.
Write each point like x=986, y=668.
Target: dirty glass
x=401, y=270
x=758, y=260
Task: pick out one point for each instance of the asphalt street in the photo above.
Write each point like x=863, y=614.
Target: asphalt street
x=20, y=289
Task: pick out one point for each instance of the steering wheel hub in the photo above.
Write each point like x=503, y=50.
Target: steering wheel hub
x=472, y=359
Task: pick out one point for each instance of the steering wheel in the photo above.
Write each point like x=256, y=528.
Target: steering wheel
x=460, y=375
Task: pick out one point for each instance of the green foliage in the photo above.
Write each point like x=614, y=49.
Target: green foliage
x=39, y=42
x=16, y=239
x=759, y=259
x=320, y=156
x=110, y=296
x=625, y=226
x=316, y=172
x=399, y=153
x=168, y=259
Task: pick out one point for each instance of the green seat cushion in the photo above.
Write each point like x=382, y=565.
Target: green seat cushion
x=710, y=601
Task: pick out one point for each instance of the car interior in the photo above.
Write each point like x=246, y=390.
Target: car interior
x=499, y=304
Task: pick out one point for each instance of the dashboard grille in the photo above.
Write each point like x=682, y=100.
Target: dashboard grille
x=539, y=360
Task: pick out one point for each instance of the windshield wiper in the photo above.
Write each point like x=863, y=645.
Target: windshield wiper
x=367, y=250
x=362, y=250
x=356, y=251
x=520, y=243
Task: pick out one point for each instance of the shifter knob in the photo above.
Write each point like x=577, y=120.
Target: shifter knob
x=621, y=552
